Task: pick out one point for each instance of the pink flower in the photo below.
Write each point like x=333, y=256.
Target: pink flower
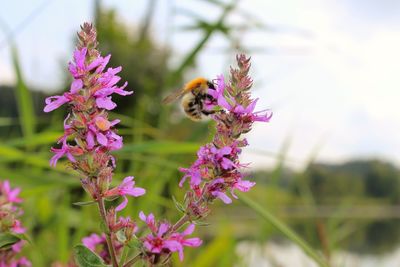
x=127, y=187
x=93, y=240
x=17, y=227
x=59, y=152
x=194, y=173
x=217, y=189
x=99, y=127
x=189, y=242
x=11, y=194
x=103, y=98
x=156, y=243
x=149, y=220
x=219, y=93
x=262, y=115
x=79, y=68
x=242, y=186
x=159, y=241
x=54, y=102
x=17, y=247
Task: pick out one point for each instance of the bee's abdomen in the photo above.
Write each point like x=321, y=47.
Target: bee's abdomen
x=193, y=111
x=192, y=107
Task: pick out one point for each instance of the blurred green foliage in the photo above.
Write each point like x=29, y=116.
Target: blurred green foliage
x=156, y=145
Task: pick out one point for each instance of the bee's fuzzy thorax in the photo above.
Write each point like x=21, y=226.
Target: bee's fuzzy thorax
x=196, y=83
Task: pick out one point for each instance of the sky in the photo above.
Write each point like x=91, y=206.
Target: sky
x=327, y=69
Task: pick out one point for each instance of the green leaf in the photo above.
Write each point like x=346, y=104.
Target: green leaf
x=84, y=203
x=284, y=229
x=201, y=223
x=134, y=243
x=24, y=99
x=86, y=258
x=7, y=240
x=178, y=205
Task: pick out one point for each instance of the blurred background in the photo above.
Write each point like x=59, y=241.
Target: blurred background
x=327, y=164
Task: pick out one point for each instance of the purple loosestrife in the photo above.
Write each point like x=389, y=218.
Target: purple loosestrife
x=163, y=239
x=89, y=137
x=9, y=223
x=217, y=171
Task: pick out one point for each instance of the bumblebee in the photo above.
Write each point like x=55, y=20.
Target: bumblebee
x=193, y=95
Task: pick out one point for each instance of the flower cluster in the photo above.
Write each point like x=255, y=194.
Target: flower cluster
x=217, y=169
x=164, y=239
x=88, y=134
x=9, y=223
x=89, y=137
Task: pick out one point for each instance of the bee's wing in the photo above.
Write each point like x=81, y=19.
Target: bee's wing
x=173, y=96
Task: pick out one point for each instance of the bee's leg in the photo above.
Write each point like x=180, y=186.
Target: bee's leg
x=208, y=112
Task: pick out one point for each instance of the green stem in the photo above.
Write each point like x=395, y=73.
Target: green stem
x=133, y=260
x=111, y=249
x=124, y=255
x=178, y=224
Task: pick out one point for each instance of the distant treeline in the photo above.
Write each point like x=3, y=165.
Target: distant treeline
x=361, y=185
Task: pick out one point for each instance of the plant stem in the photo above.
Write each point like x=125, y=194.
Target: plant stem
x=111, y=249
x=124, y=255
x=179, y=223
x=133, y=260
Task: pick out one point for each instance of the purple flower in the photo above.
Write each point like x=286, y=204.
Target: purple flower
x=262, y=115
x=149, y=220
x=10, y=194
x=76, y=85
x=17, y=227
x=59, y=152
x=217, y=189
x=93, y=240
x=194, y=173
x=17, y=247
x=103, y=98
x=219, y=93
x=241, y=185
x=54, y=102
x=127, y=187
x=79, y=68
x=159, y=241
x=99, y=127
x=179, y=238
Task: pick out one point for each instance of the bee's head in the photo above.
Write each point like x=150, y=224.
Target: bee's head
x=210, y=85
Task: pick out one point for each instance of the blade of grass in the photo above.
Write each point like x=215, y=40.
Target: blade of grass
x=43, y=138
x=160, y=147
x=24, y=99
x=284, y=229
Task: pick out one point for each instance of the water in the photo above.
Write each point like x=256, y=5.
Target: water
x=288, y=255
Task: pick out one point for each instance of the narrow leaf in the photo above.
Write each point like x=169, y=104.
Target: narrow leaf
x=86, y=258
x=24, y=99
x=84, y=203
x=178, y=205
x=7, y=240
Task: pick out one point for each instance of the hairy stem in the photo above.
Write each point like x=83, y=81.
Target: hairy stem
x=185, y=218
x=111, y=249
